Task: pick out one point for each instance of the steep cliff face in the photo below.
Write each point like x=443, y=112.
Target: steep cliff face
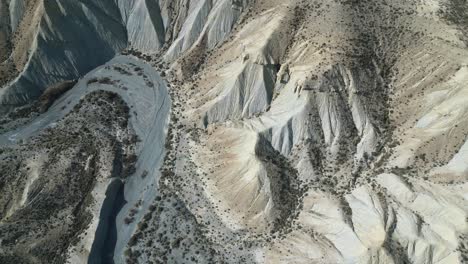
x=56, y=41
x=144, y=24
x=228, y=131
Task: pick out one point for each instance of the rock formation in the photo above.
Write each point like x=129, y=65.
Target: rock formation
x=234, y=131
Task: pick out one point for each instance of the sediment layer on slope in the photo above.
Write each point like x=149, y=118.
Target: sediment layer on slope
x=299, y=131
x=57, y=48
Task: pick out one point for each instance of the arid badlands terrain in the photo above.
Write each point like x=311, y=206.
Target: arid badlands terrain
x=234, y=131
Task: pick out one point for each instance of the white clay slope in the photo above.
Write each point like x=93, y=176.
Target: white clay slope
x=269, y=131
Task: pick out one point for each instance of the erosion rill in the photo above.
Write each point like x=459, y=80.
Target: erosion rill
x=233, y=131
